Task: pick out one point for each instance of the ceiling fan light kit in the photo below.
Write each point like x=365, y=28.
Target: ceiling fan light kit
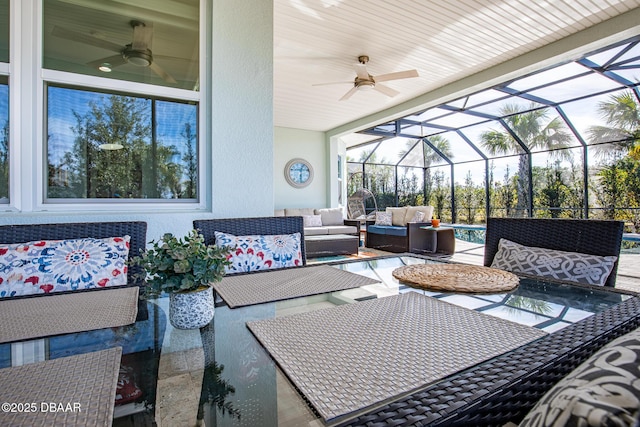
x=365, y=81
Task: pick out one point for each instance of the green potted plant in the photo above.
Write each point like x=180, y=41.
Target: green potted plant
x=186, y=269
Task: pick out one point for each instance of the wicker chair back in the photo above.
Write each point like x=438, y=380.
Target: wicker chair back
x=99, y=230
x=595, y=237
x=252, y=226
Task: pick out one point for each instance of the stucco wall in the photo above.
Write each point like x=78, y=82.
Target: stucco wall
x=310, y=146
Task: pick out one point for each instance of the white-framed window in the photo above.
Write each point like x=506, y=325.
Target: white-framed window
x=103, y=145
x=114, y=101
x=4, y=101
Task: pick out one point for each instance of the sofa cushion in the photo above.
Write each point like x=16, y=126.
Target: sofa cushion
x=341, y=229
x=312, y=220
x=559, y=265
x=417, y=217
x=602, y=391
x=298, y=211
x=315, y=231
x=260, y=252
x=412, y=210
x=398, y=215
x=387, y=229
x=48, y=266
x=396, y=231
x=383, y=218
x=331, y=216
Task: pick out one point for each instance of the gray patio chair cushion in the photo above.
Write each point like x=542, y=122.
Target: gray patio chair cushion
x=560, y=265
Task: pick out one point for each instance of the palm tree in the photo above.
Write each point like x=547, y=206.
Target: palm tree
x=622, y=116
x=536, y=131
x=619, y=142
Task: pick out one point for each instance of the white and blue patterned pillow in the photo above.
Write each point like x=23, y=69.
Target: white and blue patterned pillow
x=559, y=265
x=261, y=252
x=48, y=266
x=383, y=218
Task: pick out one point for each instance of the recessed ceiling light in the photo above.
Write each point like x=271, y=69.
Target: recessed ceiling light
x=105, y=66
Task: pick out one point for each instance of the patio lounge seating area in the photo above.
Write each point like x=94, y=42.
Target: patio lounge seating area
x=512, y=382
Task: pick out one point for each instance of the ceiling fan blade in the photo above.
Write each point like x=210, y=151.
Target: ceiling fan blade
x=386, y=90
x=162, y=73
x=85, y=38
x=349, y=94
x=142, y=35
x=113, y=61
x=332, y=83
x=361, y=71
x=395, y=76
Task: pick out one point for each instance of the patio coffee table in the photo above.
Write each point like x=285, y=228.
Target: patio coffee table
x=331, y=245
x=234, y=375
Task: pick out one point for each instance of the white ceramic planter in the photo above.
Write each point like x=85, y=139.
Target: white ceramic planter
x=191, y=310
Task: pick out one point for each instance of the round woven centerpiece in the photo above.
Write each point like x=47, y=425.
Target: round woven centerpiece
x=457, y=278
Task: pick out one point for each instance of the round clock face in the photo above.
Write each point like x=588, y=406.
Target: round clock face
x=298, y=173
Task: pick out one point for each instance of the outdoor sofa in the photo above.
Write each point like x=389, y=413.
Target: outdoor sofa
x=327, y=232
x=322, y=221
x=403, y=234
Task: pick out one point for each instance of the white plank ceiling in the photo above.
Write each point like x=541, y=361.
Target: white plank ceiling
x=319, y=41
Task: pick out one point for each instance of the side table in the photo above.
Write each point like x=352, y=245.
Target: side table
x=442, y=240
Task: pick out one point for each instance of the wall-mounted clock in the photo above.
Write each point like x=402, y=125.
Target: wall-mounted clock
x=298, y=173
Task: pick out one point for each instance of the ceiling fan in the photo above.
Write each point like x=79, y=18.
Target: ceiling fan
x=137, y=53
x=364, y=80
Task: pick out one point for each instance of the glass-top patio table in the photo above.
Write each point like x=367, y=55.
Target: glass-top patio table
x=222, y=376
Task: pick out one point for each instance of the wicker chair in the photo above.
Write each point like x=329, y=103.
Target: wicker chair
x=29, y=232
x=252, y=226
x=586, y=236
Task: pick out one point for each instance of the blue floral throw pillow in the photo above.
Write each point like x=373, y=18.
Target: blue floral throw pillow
x=47, y=266
x=261, y=252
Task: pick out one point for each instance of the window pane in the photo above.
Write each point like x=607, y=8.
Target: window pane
x=438, y=191
x=542, y=130
x=410, y=186
x=4, y=30
x=4, y=140
x=104, y=146
x=509, y=182
x=558, y=184
x=139, y=41
x=470, y=192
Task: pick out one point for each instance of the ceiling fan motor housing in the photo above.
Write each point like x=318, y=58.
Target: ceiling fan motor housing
x=365, y=84
x=140, y=58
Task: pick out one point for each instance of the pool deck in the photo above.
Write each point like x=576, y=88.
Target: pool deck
x=628, y=267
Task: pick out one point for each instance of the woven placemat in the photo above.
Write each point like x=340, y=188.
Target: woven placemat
x=277, y=285
x=70, y=391
x=457, y=278
x=42, y=316
x=354, y=356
